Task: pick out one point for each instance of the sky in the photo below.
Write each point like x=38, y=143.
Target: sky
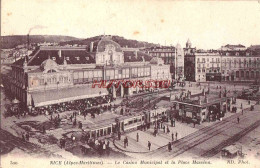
x=208, y=24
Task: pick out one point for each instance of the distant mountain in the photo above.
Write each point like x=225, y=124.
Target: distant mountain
x=120, y=40
x=13, y=41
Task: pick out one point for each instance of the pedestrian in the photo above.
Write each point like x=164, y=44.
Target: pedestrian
x=107, y=144
x=242, y=112
x=23, y=138
x=27, y=136
x=164, y=129
x=176, y=134
x=104, y=147
x=149, y=145
x=119, y=136
x=169, y=146
x=193, y=124
x=61, y=143
x=137, y=137
x=172, y=137
x=238, y=120
x=126, y=141
x=172, y=122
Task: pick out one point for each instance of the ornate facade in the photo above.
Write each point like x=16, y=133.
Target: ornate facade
x=56, y=74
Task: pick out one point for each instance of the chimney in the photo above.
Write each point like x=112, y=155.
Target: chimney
x=91, y=46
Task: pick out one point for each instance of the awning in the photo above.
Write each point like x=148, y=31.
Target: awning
x=65, y=95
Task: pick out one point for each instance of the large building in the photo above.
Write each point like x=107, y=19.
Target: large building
x=173, y=56
x=240, y=65
x=203, y=66
x=230, y=63
x=56, y=74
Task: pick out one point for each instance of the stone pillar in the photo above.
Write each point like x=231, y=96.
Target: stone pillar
x=122, y=91
x=114, y=91
x=130, y=91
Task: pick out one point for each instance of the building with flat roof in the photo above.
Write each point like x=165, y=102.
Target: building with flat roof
x=230, y=63
x=171, y=55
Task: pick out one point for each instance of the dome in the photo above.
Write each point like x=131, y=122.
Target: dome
x=107, y=41
x=49, y=64
x=188, y=44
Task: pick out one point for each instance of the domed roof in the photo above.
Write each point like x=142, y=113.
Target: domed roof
x=105, y=41
x=49, y=64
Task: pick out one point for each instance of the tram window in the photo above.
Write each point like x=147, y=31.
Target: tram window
x=130, y=122
x=142, y=117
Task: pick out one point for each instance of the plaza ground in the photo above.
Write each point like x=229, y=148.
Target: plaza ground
x=134, y=149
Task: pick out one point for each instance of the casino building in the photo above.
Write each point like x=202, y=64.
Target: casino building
x=56, y=74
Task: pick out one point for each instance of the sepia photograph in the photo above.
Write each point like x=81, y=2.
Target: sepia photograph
x=130, y=83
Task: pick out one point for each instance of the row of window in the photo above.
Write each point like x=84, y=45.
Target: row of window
x=162, y=54
x=203, y=60
x=247, y=74
x=209, y=70
x=54, y=80
x=208, y=65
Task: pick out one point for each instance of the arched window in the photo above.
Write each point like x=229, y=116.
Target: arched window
x=51, y=71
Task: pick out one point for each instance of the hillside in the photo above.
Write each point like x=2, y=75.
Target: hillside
x=13, y=41
x=120, y=40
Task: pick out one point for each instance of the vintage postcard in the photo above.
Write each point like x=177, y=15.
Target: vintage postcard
x=130, y=83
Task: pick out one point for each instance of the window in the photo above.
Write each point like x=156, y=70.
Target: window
x=252, y=74
x=237, y=74
x=242, y=74
x=77, y=58
x=54, y=58
x=87, y=58
x=67, y=58
x=41, y=81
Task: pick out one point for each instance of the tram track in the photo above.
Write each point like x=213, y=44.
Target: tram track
x=195, y=139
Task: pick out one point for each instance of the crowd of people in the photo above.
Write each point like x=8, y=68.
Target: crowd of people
x=84, y=106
